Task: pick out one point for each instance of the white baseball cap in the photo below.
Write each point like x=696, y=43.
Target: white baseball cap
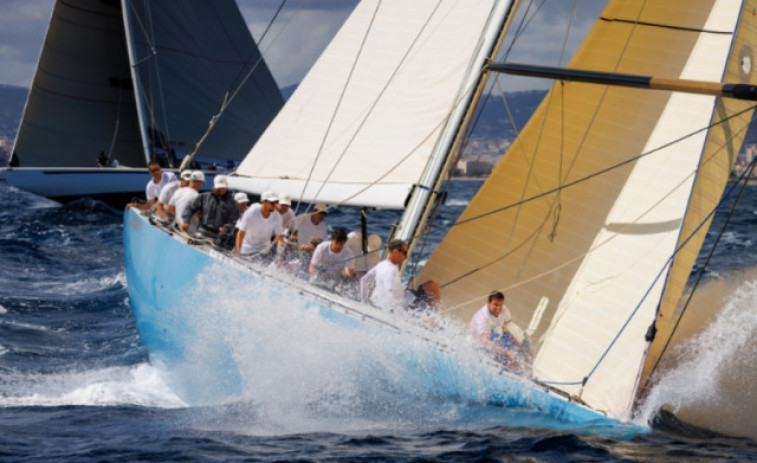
x=241, y=198
x=269, y=196
x=186, y=174
x=197, y=176
x=285, y=199
x=221, y=181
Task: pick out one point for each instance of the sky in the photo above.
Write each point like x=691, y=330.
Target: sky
x=309, y=25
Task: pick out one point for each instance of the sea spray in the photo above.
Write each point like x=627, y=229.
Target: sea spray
x=293, y=365
x=710, y=380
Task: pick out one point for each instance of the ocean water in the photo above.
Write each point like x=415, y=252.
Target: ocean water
x=75, y=383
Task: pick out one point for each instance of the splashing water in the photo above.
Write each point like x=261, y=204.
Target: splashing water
x=297, y=367
x=713, y=383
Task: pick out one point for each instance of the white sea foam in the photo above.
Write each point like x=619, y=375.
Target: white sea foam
x=301, y=372
x=3, y=310
x=713, y=382
x=87, y=283
x=138, y=385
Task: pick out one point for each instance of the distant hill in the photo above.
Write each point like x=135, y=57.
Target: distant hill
x=12, y=100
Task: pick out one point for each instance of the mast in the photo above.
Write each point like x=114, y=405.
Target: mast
x=138, y=93
x=425, y=193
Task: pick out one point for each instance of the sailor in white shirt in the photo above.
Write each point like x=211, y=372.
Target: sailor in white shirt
x=284, y=208
x=311, y=226
x=258, y=225
x=159, y=180
x=489, y=325
x=388, y=292
x=183, y=196
x=331, y=260
x=161, y=207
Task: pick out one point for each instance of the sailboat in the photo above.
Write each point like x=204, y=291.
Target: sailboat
x=590, y=223
x=137, y=79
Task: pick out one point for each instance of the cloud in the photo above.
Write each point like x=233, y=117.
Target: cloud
x=298, y=36
x=22, y=29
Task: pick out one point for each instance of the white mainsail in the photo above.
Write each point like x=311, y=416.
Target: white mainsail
x=596, y=253
x=362, y=125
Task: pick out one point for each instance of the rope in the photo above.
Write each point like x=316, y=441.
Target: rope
x=581, y=256
x=742, y=178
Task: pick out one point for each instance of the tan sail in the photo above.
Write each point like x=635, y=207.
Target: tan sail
x=723, y=144
x=585, y=209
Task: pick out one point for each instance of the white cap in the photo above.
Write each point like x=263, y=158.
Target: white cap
x=221, y=181
x=269, y=196
x=241, y=198
x=186, y=174
x=197, y=176
x=285, y=199
x=321, y=208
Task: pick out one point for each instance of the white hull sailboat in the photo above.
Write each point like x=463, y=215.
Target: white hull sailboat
x=128, y=78
x=590, y=223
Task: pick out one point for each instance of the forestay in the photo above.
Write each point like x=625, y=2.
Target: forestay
x=363, y=123
x=592, y=251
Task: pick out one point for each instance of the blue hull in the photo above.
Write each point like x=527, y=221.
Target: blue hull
x=180, y=314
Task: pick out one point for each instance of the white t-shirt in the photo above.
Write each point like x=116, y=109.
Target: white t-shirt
x=180, y=200
x=258, y=230
x=152, y=191
x=307, y=231
x=484, y=322
x=328, y=264
x=286, y=217
x=168, y=191
x=388, y=292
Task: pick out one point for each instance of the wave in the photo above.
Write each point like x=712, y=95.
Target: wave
x=140, y=385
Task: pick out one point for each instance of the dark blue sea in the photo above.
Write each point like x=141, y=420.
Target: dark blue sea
x=76, y=385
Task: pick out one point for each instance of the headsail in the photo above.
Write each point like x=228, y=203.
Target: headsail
x=363, y=123
x=583, y=213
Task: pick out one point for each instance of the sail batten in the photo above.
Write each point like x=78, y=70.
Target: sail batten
x=598, y=250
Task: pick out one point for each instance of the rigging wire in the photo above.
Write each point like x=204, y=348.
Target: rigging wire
x=577, y=182
x=743, y=178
